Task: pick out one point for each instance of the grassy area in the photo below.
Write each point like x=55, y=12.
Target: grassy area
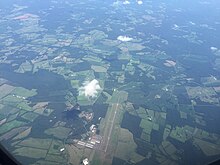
x=19, y=91
x=30, y=116
x=76, y=155
x=97, y=68
x=126, y=148
x=156, y=126
x=96, y=160
x=209, y=149
x=55, y=158
x=44, y=111
x=74, y=83
x=118, y=97
x=55, y=147
x=23, y=134
x=24, y=67
x=179, y=134
x=10, y=125
x=58, y=132
x=146, y=125
x=169, y=149
x=11, y=100
x=24, y=106
x=43, y=162
x=166, y=132
x=83, y=100
x=145, y=136
x=36, y=143
x=5, y=90
x=30, y=152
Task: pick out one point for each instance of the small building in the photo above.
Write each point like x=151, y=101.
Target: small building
x=96, y=138
x=92, y=127
x=93, y=141
x=86, y=161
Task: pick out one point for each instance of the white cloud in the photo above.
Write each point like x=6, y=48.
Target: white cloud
x=192, y=23
x=124, y=38
x=213, y=49
x=90, y=89
x=116, y=3
x=126, y=2
x=140, y=2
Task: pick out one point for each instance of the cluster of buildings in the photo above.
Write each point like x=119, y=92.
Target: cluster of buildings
x=93, y=141
x=86, y=115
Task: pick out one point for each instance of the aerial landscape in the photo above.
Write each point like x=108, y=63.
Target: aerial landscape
x=112, y=82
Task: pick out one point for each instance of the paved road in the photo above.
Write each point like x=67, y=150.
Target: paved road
x=107, y=148
x=112, y=124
